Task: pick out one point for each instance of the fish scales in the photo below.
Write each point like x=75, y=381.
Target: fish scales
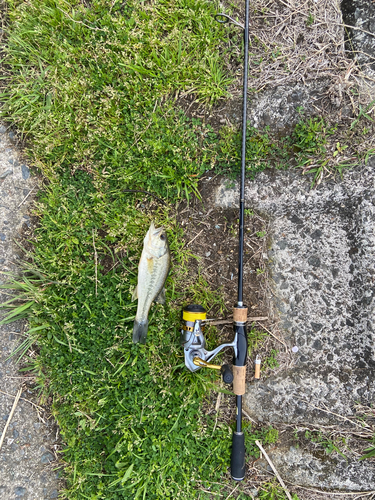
x=152, y=272
x=153, y=283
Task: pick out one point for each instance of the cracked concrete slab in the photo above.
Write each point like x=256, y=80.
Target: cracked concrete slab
x=321, y=259
x=27, y=458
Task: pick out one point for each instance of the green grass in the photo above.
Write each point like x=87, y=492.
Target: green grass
x=370, y=451
x=330, y=444
x=313, y=145
x=92, y=91
x=272, y=491
x=93, y=87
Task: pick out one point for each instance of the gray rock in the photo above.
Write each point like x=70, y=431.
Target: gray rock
x=20, y=492
x=6, y=173
x=47, y=458
x=360, y=14
x=333, y=473
x=25, y=172
x=279, y=107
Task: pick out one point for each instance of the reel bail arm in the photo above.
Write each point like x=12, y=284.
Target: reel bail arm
x=192, y=338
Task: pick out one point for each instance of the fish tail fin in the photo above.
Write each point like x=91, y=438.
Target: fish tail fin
x=140, y=331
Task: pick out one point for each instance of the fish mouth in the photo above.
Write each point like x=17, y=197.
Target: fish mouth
x=155, y=230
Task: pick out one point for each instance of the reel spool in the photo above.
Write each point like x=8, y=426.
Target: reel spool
x=194, y=343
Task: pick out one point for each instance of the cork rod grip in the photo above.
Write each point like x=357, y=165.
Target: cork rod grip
x=239, y=376
x=240, y=314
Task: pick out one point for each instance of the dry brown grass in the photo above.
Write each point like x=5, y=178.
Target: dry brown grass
x=296, y=42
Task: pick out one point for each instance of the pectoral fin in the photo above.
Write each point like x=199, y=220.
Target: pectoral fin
x=160, y=299
x=135, y=293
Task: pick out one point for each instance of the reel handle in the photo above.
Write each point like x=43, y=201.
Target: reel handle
x=227, y=374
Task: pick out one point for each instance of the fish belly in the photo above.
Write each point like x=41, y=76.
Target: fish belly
x=152, y=274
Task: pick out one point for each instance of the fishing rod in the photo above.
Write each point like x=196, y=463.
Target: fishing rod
x=194, y=316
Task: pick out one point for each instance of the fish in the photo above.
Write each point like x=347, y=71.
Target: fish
x=153, y=270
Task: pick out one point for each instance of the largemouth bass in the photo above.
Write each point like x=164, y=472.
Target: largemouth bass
x=153, y=270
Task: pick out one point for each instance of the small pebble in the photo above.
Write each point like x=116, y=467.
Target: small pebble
x=6, y=173
x=47, y=458
x=25, y=172
x=20, y=492
x=208, y=254
x=295, y=349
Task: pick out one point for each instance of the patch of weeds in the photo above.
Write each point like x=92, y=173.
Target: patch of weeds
x=311, y=146
x=329, y=444
x=363, y=113
x=255, y=338
x=310, y=138
x=310, y=19
x=266, y=436
x=273, y=491
x=249, y=212
x=28, y=291
x=370, y=451
x=200, y=293
x=271, y=360
x=263, y=150
x=233, y=229
x=261, y=234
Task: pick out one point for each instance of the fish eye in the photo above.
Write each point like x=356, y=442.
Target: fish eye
x=162, y=237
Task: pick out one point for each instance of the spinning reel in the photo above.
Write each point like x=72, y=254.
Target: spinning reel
x=194, y=343
x=194, y=319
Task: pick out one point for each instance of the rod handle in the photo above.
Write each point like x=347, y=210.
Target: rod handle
x=237, y=466
x=239, y=380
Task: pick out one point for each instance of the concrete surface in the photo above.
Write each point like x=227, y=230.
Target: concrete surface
x=27, y=457
x=321, y=258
